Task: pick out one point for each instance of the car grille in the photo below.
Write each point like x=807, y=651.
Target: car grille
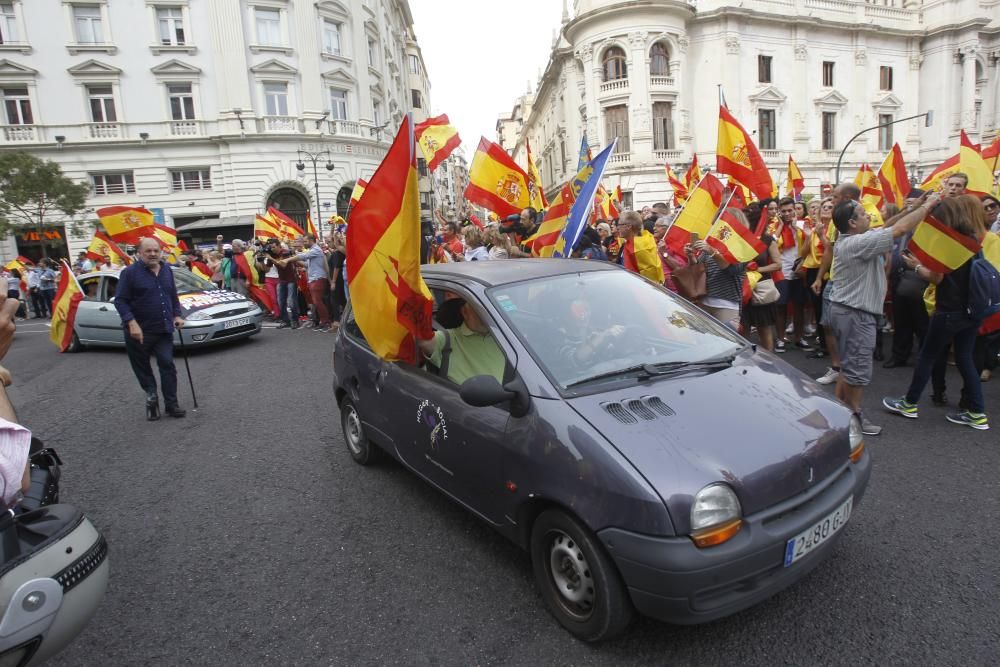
x=644, y=408
x=230, y=313
x=225, y=333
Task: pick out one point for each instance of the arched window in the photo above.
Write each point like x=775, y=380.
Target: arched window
x=613, y=64
x=659, y=60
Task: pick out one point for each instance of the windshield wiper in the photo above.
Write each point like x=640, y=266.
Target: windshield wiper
x=669, y=367
x=645, y=371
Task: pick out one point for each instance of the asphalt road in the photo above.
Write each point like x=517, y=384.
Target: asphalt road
x=244, y=534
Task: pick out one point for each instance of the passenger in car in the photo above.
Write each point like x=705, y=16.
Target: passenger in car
x=467, y=349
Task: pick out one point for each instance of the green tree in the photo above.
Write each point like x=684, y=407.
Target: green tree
x=32, y=191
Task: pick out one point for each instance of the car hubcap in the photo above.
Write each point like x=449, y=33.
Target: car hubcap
x=571, y=574
x=352, y=428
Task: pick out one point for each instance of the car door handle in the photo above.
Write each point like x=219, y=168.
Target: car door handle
x=380, y=378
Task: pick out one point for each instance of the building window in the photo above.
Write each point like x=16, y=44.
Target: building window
x=276, y=99
x=18, y=106
x=766, y=129
x=764, y=69
x=885, y=78
x=8, y=23
x=425, y=200
x=415, y=99
x=338, y=104
x=331, y=37
x=885, y=133
x=113, y=184
x=663, y=126
x=268, y=26
x=181, y=101
x=828, y=74
x=87, y=19
x=377, y=112
x=613, y=64
x=659, y=60
x=414, y=65
x=421, y=166
x=829, y=130
x=372, y=53
x=102, y=104
x=170, y=21
x=626, y=203
x=193, y=179
x=616, y=125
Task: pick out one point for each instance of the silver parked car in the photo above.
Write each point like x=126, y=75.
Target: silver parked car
x=211, y=315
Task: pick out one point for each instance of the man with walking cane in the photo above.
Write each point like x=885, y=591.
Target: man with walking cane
x=146, y=299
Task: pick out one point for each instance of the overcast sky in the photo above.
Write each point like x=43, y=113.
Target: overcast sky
x=480, y=56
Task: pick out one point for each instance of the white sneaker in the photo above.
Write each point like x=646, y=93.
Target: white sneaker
x=829, y=377
x=809, y=329
x=790, y=328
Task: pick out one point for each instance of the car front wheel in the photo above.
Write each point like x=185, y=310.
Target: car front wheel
x=578, y=580
x=75, y=345
x=361, y=448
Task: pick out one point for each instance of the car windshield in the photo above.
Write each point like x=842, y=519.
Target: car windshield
x=602, y=324
x=188, y=282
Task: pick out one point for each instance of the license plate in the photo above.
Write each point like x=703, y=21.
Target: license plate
x=232, y=324
x=809, y=539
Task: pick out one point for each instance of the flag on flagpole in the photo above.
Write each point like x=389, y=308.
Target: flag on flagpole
x=358, y=191
x=310, y=227
x=201, y=270
x=693, y=174
x=290, y=229
x=680, y=190
x=126, y=224
x=496, y=182
x=584, y=156
x=604, y=205
x=968, y=161
x=738, y=157
x=392, y=304
x=266, y=228
x=68, y=297
x=892, y=177
x=698, y=213
x=101, y=245
x=796, y=182
x=736, y=243
x=437, y=138
x=940, y=248
x=536, y=192
x=543, y=242
x=589, y=179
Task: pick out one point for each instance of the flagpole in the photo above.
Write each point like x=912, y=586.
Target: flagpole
x=681, y=209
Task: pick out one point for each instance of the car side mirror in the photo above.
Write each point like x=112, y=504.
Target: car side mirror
x=484, y=390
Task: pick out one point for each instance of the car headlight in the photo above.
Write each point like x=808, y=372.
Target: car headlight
x=716, y=515
x=857, y=439
x=197, y=316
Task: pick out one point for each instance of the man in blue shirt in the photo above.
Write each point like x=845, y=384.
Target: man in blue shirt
x=146, y=299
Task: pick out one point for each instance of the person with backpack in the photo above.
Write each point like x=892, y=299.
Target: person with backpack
x=964, y=298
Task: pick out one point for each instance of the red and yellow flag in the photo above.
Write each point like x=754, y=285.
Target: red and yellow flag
x=641, y=256
x=310, y=227
x=604, y=206
x=940, y=248
x=867, y=181
x=736, y=243
x=496, y=182
x=693, y=174
x=255, y=280
x=101, y=246
x=289, y=228
x=126, y=224
x=737, y=156
x=64, y=305
x=437, y=139
x=969, y=162
x=796, y=183
x=358, y=192
x=536, y=192
x=893, y=179
x=543, y=242
x=698, y=214
x=201, y=270
x=264, y=227
x=680, y=190
x=392, y=304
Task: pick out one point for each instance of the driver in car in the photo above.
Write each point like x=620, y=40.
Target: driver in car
x=465, y=350
x=582, y=344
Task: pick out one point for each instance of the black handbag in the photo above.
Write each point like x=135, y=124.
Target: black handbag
x=45, y=474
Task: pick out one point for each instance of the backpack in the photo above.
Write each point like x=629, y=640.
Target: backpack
x=984, y=289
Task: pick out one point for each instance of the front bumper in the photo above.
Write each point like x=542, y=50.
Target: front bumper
x=198, y=334
x=672, y=580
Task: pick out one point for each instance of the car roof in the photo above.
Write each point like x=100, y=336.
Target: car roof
x=504, y=271
x=115, y=274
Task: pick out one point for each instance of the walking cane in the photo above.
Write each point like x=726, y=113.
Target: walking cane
x=187, y=367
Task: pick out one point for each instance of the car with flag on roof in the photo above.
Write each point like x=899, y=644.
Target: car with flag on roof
x=211, y=315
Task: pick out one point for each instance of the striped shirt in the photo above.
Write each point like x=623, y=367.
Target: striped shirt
x=860, y=280
x=15, y=442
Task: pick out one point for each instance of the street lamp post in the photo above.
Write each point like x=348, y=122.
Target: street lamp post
x=314, y=157
x=927, y=115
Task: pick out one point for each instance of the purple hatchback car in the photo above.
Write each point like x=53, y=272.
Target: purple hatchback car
x=647, y=457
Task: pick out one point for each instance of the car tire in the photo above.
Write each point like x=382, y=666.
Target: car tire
x=75, y=345
x=578, y=581
x=362, y=450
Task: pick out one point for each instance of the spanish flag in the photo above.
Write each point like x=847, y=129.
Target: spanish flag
x=126, y=224
x=868, y=183
x=969, y=162
x=392, y=304
x=892, y=177
x=693, y=174
x=68, y=298
x=264, y=227
x=201, y=270
x=698, y=214
x=496, y=182
x=737, y=156
x=289, y=228
x=796, y=182
x=535, y=189
x=543, y=242
x=641, y=256
x=736, y=243
x=101, y=246
x=255, y=280
x=437, y=139
x=940, y=248
x=680, y=190
x=358, y=192
x=310, y=227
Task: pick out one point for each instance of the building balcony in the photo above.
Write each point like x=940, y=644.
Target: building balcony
x=20, y=134
x=279, y=124
x=185, y=128
x=620, y=158
x=105, y=131
x=614, y=87
x=661, y=82
x=771, y=154
x=667, y=155
x=347, y=128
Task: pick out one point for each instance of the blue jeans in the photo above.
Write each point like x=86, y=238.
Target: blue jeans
x=161, y=345
x=288, y=297
x=959, y=330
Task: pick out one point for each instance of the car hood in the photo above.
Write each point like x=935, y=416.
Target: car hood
x=217, y=303
x=760, y=426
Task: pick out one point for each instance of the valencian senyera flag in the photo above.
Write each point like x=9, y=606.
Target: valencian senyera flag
x=698, y=214
x=734, y=240
x=892, y=177
x=969, y=162
x=64, y=305
x=392, y=304
x=536, y=193
x=102, y=246
x=940, y=248
x=796, y=182
x=437, y=138
x=737, y=156
x=589, y=179
x=126, y=224
x=543, y=242
x=496, y=182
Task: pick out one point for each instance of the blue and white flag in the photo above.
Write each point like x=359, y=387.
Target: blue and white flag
x=585, y=186
x=584, y=157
